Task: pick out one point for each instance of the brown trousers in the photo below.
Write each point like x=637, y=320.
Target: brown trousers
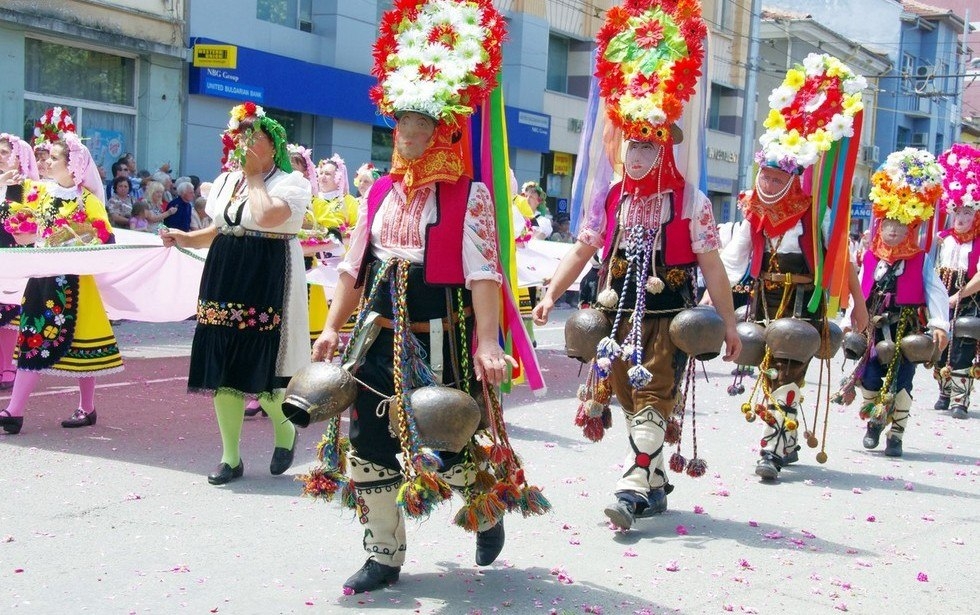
x=662, y=358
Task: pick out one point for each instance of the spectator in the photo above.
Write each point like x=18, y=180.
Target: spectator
x=205, y=189
x=120, y=204
x=562, y=233
x=541, y=220
x=183, y=203
x=199, y=217
x=153, y=199
x=140, y=220
x=167, y=182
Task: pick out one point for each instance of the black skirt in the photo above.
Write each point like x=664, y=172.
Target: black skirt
x=239, y=316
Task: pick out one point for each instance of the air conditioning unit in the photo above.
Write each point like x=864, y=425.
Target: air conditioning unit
x=919, y=139
x=872, y=154
x=575, y=125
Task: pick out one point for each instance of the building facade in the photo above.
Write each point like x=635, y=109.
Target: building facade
x=116, y=65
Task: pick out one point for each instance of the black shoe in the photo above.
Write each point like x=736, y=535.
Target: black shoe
x=767, y=468
x=942, y=403
x=79, y=418
x=372, y=575
x=11, y=424
x=958, y=411
x=224, y=473
x=872, y=435
x=282, y=458
x=489, y=544
x=893, y=447
x=656, y=504
x=791, y=457
x=622, y=513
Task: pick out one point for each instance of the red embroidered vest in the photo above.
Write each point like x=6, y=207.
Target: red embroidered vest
x=909, y=287
x=443, y=249
x=675, y=244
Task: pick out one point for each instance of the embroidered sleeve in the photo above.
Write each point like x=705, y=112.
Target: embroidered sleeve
x=359, y=237
x=593, y=230
x=704, y=231
x=480, y=259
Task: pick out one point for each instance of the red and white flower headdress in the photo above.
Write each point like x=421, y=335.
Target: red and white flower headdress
x=51, y=125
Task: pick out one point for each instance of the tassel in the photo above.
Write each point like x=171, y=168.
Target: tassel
x=677, y=462
x=484, y=481
x=865, y=411
x=508, y=494
x=697, y=467
x=583, y=393
x=672, y=434
x=594, y=429
x=608, y=299
x=321, y=484
x=654, y=285
x=427, y=460
x=580, y=416
x=607, y=417
x=608, y=348
x=593, y=409
x=639, y=376
x=348, y=496
x=533, y=502
x=419, y=496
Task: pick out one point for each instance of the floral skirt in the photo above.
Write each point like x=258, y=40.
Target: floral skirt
x=64, y=329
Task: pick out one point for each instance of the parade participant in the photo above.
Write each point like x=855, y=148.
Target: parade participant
x=654, y=217
x=334, y=198
x=899, y=279
x=425, y=255
x=959, y=250
x=778, y=254
x=535, y=209
x=251, y=334
x=17, y=168
x=64, y=329
x=364, y=178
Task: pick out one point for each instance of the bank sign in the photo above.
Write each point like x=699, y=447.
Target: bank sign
x=227, y=84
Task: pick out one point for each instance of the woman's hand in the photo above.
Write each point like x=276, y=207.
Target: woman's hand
x=11, y=178
x=542, y=310
x=490, y=363
x=173, y=237
x=940, y=339
x=326, y=345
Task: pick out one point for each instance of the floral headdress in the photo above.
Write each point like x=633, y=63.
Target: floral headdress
x=437, y=57
x=51, y=125
x=20, y=149
x=295, y=149
x=234, y=150
x=907, y=186
x=82, y=167
x=649, y=58
x=814, y=106
x=961, y=186
x=367, y=170
x=339, y=174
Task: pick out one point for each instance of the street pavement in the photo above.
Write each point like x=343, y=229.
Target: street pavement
x=119, y=517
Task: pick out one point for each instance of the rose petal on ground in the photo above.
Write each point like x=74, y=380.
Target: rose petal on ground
x=698, y=510
x=753, y=524
x=871, y=519
x=629, y=552
x=922, y=577
x=681, y=530
x=672, y=566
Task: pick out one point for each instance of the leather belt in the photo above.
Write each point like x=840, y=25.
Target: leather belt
x=794, y=278
x=421, y=326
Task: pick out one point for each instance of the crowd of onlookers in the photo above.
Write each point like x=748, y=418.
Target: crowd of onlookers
x=144, y=201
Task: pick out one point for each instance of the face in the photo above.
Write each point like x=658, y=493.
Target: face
x=8, y=162
x=532, y=196
x=893, y=232
x=772, y=180
x=57, y=166
x=327, y=177
x=122, y=189
x=413, y=135
x=259, y=147
x=41, y=154
x=122, y=171
x=963, y=219
x=364, y=184
x=640, y=158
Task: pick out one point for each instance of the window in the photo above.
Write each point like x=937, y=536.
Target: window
x=723, y=113
x=382, y=146
x=290, y=13
x=97, y=88
x=557, y=79
x=904, y=138
x=726, y=15
x=908, y=71
x=383, y=7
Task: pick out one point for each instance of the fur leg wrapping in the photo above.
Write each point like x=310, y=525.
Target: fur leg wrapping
x=900, y=414
x=376, y=488
x=643, y=469
x=960, y=386
x=780, y=436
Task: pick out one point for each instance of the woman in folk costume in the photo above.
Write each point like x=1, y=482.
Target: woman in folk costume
x=654, y=229
x=959, y=251
x=779, y=254
x=334, y=199
x=17, y=168
x=902, y=290
x=64, y=329
x=424, y=265
x=251, y=333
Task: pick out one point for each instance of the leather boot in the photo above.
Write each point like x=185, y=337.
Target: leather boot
x=899, y=418
x=489, y=536
x=872, y=435
x=778, y=440
x=643, y=468
x=376, y=488
x=961, y=384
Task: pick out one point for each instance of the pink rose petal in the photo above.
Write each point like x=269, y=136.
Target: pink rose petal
x=672, y=566
x=629, y=552
x=753, y=524
x=871, y=519
x=681, y=530
x=698, y=510
x=922, y=577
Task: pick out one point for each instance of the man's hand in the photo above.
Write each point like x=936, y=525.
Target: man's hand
x=490, y=363
x=733, y=344
x=326, y=345
x=541, y=311
x=940, y=338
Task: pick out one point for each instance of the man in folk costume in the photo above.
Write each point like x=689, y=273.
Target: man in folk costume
x=775, y=256
x=424, y=260
x=654, y=229
x=959, y=251
x=899, y=281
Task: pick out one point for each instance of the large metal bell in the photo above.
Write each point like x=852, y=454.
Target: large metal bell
x=855, y=345
x=583, y=331
x=742, y=313
x=967, y=327
x=753, y=336
x=885, y=351
x=318, y=392
x=917, y=348
x=830, y=346
x=699, y=332
x=793, y=339
x=446, y=418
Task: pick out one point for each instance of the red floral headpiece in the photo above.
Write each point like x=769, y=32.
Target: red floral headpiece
x=52, y=123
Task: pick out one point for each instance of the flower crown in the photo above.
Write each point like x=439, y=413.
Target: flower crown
x=650, y=54
x=51, y=124
x=961, y=186
x=367, y=170
x=907, y=186
x=814, y=107
x=437, y=57
x=295, y=149
x=233, y=154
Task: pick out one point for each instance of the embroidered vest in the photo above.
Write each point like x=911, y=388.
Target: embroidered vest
x=974, y=256
x=443, y=249
x=909, y=287
x=805, y=243
x=675, y=243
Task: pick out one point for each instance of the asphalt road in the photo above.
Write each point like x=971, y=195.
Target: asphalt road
x=119, y=518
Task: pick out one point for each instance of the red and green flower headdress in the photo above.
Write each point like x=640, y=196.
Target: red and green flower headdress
x=650, y=54
x=233, y=154
x=51, y=124
x=440, y=58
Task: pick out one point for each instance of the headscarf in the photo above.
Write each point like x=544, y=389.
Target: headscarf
x=82, y=167
x=304, y=152
x=22, y=150
x=233, y=151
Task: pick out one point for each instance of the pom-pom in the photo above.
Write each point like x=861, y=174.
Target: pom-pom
x=821, y=457
x=696, y=467
x=746, y=408
x=639, y=376
x=583, y=392
x=603, y=365
x=593, y=428
x=593, y=409
x=790, y=425
x=672, y=432
x=608, y=299
x=749, y=417
x=607, y=418
x=812, y=441
x=677, y=462
x=654, y=285
x=533, y=501
x=608, y=348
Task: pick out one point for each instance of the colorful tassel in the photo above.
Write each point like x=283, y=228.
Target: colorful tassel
x=696, y=467
x=677, y=462
x=639, y=376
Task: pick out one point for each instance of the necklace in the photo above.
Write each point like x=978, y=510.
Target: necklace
x=769, y=198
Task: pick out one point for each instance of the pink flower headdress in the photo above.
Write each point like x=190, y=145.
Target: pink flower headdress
x=22, y=150
x=297, y=149
x=961, y=185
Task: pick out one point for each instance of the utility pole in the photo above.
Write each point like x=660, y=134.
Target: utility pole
x=749, y=113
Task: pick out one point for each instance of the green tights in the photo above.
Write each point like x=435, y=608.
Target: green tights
x=229, y=407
